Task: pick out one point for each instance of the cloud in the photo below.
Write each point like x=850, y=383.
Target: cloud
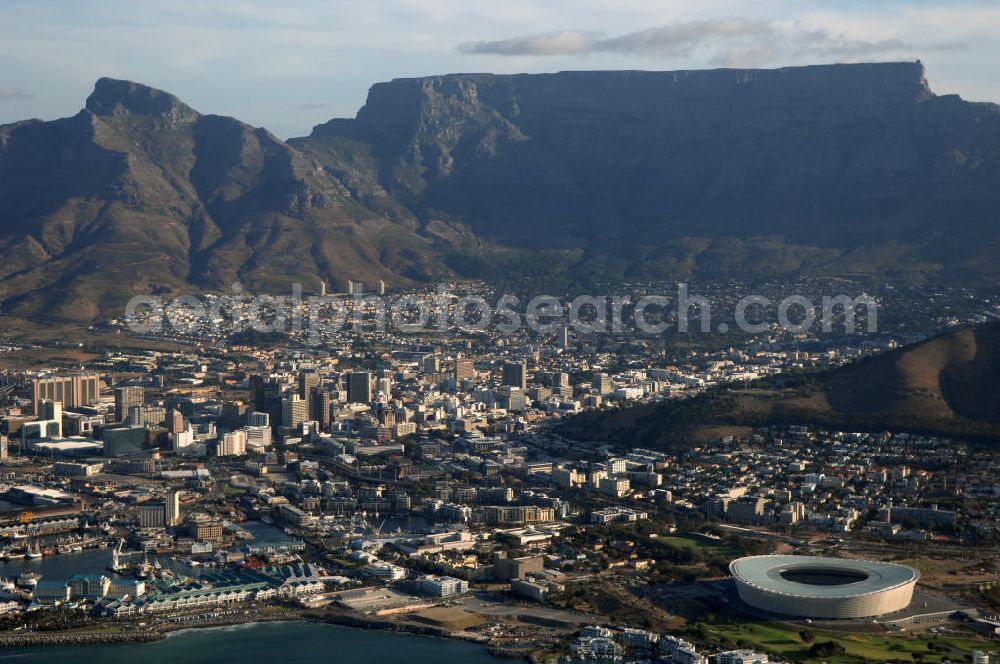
x=682, y=38
x=823, y=43
x=313, y=106
x=567, y=42
x=730, y=42
x=11, y=93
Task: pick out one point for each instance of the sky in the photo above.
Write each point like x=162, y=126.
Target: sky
x=291, y=64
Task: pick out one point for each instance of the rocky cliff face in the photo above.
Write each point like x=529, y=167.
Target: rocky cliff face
x=139, y=192
x=836, y=155
x=840, y=168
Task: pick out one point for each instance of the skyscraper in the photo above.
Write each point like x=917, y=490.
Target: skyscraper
x=563, y=336
x=515, y=374
x=602, y=383
x=50, y=410
x=294, y=410
x=175, y=421
x=258, y=419
x=71, y=391
x=359, y=387
x=308, y=381
x=267, y=397
x=464, y=368
x=173, y=507
x=126, y=398
x=321, y=407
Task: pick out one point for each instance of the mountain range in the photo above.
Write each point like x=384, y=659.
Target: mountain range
x=834, y=169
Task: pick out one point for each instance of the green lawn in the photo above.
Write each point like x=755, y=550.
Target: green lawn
x=785, y=641
x=697, y=543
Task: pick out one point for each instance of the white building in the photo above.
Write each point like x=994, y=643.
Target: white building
x=441, y=586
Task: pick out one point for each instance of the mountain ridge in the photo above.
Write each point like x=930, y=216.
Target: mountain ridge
x=829, y=169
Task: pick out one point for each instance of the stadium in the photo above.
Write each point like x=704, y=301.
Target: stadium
x=816, y=587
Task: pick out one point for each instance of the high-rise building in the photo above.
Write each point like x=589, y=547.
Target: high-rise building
x=563, y=336
x=175, y=421
x=307, y=381
x=124, y=440
x=602, y=383
x=146, y=416
x=50, y=410
x=294, y=410
x=320, y=403
x=558, y=379
x=71, y=391
x=515, y=374
x=258, y=419
x=126, y=398
x=267, y=398
x=173, y=507
x=258, y=438
x=465, y=368
x=359, y=387
x=233, y=443
x=234, y=414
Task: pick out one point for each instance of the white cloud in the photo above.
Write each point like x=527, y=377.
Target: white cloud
x=732, y=40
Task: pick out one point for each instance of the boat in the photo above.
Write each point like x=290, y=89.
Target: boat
x=33, y=555
x=28, y=579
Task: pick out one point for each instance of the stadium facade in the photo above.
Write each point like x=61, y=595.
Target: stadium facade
x=818, y=587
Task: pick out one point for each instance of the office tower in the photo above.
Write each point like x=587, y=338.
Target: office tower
x=175, y=421
x=234, y=414
x=563, y=336
x=146, y=416
x=307, y=381
x=267, y=398
x=601, y=383
x=258, y=419
x=126, y=398
x=50, y=410
x=258, y=438
x=294, y=410
x=380, y=287
x=124, y=440
x=234, y=443
x=464, y=368
x=173, y=507
x=321, y=407
x=558, y=379
x=384, y=386
x=359, y=387
x=515, y=374
x=71, y=391
x=431, y=364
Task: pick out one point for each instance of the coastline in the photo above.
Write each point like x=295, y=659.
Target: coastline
x=160, y=632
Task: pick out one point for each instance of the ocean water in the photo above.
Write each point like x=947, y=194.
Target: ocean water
x=268, y=643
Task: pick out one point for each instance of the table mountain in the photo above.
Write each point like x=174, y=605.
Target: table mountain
x=629, y=174
x=862, y=159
